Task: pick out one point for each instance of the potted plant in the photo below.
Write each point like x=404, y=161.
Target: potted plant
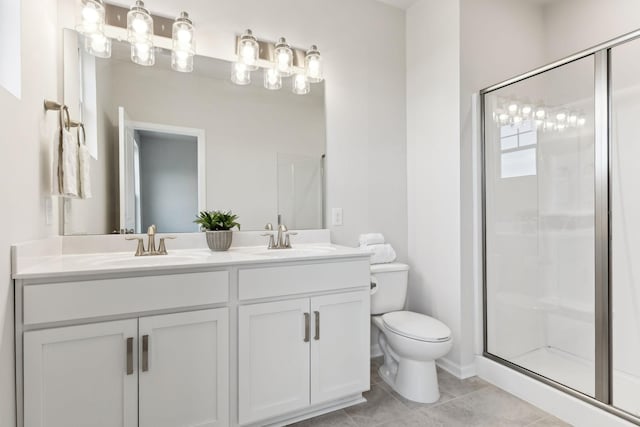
x=218, y=225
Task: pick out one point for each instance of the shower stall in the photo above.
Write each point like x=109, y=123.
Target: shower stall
x=561, y=224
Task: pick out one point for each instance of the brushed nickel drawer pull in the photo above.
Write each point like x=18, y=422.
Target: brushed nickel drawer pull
x=145, y=353
x=129, y=356
x=317, y=337
x=307, y=325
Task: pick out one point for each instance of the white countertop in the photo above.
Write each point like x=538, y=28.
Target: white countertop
x=179, y=260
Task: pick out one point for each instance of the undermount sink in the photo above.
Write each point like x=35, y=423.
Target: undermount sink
x=129, y=260
x=291, y=252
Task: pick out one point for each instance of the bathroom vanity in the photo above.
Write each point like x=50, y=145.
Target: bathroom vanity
x=245, y=337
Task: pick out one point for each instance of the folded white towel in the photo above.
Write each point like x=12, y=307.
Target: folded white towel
x=380, y=253
x=85, y=172
x=371, y=239
x=65, y=165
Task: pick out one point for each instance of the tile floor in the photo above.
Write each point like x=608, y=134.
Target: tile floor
x=463, y=403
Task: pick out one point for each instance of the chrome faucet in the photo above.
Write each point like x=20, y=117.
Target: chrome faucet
x=151, y=245
x=282, y=240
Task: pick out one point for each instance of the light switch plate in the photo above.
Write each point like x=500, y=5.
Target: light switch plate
x=336, y=216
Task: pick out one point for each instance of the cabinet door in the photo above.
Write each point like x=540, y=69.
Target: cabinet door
x=184, y=365
x=273, y=358
x=81, y=376
x=339, y=345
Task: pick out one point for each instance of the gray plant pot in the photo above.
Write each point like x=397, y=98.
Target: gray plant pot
x=219, y=240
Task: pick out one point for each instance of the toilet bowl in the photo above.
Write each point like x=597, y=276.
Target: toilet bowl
x=411, y=342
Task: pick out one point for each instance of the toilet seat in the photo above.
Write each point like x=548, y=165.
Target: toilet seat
x=416, y=326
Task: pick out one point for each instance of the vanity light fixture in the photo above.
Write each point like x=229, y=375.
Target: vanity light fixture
x=248, y=50
x=301, y=85
x=240, y=74
x=92, y=28
x=283, y=58
x=140, y=34
x=313, y=65
x=272, y=80
x=184, y=47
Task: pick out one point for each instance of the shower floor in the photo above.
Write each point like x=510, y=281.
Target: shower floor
x=578, y=373
x=560, y=366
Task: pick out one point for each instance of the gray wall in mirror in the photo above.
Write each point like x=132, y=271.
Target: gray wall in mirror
x=261, y=155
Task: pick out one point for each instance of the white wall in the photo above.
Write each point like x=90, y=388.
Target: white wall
x=24, y=167
x=574, y=25
x=433, y=162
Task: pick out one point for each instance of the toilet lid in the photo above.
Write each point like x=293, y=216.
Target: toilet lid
x=416, y=326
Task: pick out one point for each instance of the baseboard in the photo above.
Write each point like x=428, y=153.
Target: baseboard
x=562, y=405
x=462, y=372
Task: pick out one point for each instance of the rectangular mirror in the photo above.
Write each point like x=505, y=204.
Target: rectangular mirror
x=165, y=145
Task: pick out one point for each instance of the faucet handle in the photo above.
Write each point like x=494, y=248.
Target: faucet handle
x=162, y=248
x=287, y=240
x=140, y=251
x=272, y=242
x=283, y=228
x=268, y=227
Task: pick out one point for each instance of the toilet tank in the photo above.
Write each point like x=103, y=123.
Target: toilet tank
x=389, y=287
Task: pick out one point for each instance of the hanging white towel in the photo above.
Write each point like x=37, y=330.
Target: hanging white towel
x=381, y=253
x=65, y=162
x=371, y=239
x=84, y=165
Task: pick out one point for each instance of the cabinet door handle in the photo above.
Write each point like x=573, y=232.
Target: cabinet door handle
x=145, y=353
x=317, y=337
x=307, y=327
x=129, y=356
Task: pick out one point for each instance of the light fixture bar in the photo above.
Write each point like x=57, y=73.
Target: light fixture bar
x=268, y=48
x=116, y=16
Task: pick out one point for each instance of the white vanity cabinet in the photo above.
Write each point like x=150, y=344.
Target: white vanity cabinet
x=183, y=370
x=169, y=369
x=76, y=375
x=302, y=352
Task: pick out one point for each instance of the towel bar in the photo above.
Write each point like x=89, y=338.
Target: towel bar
x=55, y=106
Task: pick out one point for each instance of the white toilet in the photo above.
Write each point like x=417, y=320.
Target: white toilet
x=411, y=342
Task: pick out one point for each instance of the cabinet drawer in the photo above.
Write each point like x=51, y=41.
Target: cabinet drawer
x=56, y=302
x=301, y=279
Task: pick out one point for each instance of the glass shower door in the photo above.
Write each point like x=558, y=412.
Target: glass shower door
x=539, y=223
x=625, y=226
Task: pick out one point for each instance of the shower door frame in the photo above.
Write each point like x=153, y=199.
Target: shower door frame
x=602, y=164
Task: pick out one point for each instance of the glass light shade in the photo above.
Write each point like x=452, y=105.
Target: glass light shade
x=272, y=80
x=98, y=45
x=283, y=56
x=240, y=74
x=313, y=65
x=182, y=61
x=139, y=24
x=541, y=113
x=301, y=85
x=92, y=16
x=526, y=110
x=249, y=50
x=512, y=108
x=183, y=34
x=143, y=53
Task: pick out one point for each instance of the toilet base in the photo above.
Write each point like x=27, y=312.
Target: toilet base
x=404, y=381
